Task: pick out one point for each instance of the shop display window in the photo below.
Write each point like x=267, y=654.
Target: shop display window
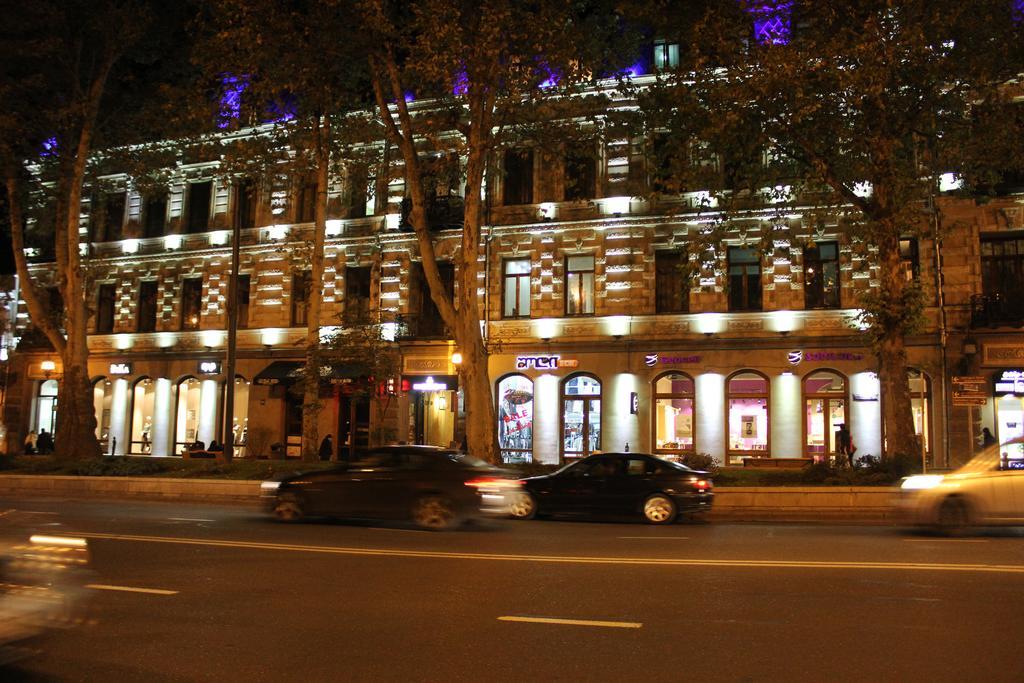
x=824, y=411
x=240, y=420
x=186, y=429
x=515, y=418
x=143, y=400
x=673, y=413
x=102, y=399
x=747, y=406
x=581, y=416
x=920, y=405
x=1009, y=418
x=46, y=406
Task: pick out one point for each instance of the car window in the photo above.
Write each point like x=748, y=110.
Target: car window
x=641, y=467
x=585, y=468
x=375, y=459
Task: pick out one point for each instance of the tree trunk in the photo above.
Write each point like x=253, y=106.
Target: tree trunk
x=311, y=406
x=897, y=419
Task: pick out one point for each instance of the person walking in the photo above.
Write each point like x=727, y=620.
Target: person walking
x=844, y=443
x=30, y=442
x=987, y=439
x=326, y=448
x=44, y=444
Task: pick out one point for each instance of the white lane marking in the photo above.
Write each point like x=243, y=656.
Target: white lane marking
x=657, y=538
x=190, y=519
x=130, y=589
x=561, y=559
x=7, y=512
x=945, y=540
x=38, y=512
x=573, y=622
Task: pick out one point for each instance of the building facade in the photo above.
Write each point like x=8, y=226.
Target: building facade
x=611, y=323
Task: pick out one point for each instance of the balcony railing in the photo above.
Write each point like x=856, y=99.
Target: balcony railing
x=443, y=213
x=995, y=310
x=411, y=327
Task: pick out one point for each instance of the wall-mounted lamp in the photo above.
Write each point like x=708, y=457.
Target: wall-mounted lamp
x=456, y=358
x=48, y=367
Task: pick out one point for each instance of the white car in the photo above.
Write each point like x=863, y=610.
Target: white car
x=987, y=491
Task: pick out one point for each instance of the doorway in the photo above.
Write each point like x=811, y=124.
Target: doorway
x=353, y=426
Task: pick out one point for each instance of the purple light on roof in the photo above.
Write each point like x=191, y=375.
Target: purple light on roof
x=49, y=147
x=232, y=88
x=772, y=22
x=409, y=96
x=634, y=71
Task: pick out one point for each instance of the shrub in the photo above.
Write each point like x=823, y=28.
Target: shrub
x=700, y=461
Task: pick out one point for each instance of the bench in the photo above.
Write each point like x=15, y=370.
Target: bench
x=775, y=463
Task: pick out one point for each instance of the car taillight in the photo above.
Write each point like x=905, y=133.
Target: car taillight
x=493, y=483
x=703, y=484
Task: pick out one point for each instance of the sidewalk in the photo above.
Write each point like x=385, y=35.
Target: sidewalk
x=747, y=504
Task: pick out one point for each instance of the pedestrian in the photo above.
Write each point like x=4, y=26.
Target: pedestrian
x=44, y=444
x=844, y=443
x=30, y=442
x=215, y=447
x=986, y=438
x=326, y=448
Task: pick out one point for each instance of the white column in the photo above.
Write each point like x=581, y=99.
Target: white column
x=119, y=416
x=620, y=426
x=546, y=415
x=163, y=409
x=710, y=415
x=786, y=413
x=209, y=399
x=866, y=416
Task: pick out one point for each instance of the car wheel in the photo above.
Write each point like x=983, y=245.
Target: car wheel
x=524, y=506
x=288, y=507
x=434, y=513
x=659, y=509
x=953, y=516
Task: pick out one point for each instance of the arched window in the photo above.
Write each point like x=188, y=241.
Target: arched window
x=46, y=406
x=103, y=402
x=581, y=416
x=240, y=420
x=825, y=405
x=515, y=418
x=747, y=410
x=672, y=416
x=186, y=423
x=143, y=402
x=920, y=386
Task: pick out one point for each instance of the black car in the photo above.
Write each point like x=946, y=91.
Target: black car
x=617, y=484
x=434, y=487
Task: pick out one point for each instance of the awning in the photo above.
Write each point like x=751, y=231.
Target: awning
x=280, y=372
x=287, y=372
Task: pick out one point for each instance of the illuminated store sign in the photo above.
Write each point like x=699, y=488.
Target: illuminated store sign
x=209, y=367
x=120, y=368
x=796, y=357
x=430, y=385
x=1010, y=382
x=652, y=359
x=548, y=362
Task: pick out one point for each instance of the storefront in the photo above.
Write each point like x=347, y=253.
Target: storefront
x=1009, y=404
x=433, y=403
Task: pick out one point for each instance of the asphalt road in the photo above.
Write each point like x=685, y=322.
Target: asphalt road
x=242, y=598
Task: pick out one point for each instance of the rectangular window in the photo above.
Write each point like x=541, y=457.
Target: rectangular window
x=516, y=289
x=300, y=298
x=305, y=200
x=146, y=314
x=580, y=174
x=671, y=285
x=910, y=262
x=744, y=279
x=191, y=302
x=357, y=294
x=113, y=219
x=105, y=308
x=245, y=204
x=155, y=216
x=430, y=323
x=821, y=275
x=242, y=300
x=1002, y=277
x=579, y=285
x=518, y=177
x=199, y=206
x=666, y=55
x=358, y=193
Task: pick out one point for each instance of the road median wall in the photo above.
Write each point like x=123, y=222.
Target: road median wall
x=747, y=503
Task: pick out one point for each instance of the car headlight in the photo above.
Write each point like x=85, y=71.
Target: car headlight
x=921, y=482
x=270, y=486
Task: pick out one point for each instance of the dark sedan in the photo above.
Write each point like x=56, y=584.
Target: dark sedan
x=617, y=484
x=436, y=488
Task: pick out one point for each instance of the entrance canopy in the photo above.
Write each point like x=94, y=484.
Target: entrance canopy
x=286, y=372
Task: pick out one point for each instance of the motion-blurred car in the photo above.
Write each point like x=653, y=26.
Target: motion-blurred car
x=987, y=491
x=42, y=587
x=617, y=484
x=434, y=487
